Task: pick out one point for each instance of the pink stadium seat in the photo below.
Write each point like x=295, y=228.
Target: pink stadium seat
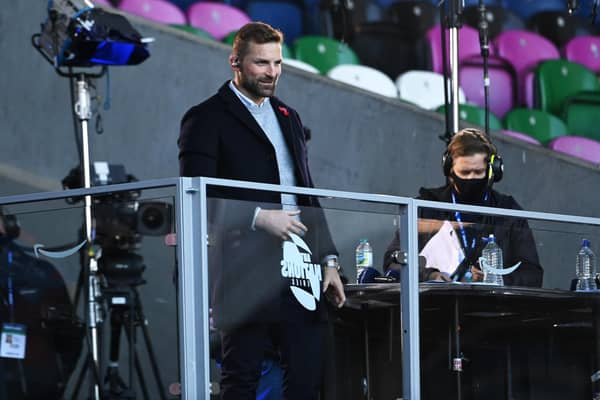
x=524, y=51
x=580, y=147
x=502, y=84
x=584, y=50
x=521, y=136
x=155, y=10
x=218, y=19
x=468, y=46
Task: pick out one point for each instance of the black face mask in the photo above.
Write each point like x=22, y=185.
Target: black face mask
x=470, y=190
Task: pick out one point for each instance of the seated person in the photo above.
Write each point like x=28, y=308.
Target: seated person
x=471, y=165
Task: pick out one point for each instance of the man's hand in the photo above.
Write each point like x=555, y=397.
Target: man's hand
x=477, y=274
x=439, y=276
x=333, y=287
x=280, y=223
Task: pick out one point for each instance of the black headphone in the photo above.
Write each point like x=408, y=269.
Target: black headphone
x=236, y=62
x=495, y=168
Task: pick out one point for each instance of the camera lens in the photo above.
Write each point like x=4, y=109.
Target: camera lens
x=152, y=218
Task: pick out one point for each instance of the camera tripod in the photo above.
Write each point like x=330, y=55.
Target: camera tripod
x=127, y=314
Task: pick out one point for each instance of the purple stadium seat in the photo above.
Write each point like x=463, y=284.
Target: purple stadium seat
x=218, y=19
x=468, y=46
x=502, y=84
x=471, y=70
x=524, y=51
x=584, y=50
x=521, y=136
x=580, y=147
x=155, y=10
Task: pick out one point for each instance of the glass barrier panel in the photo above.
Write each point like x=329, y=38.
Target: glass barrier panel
x=266, y=280
x=514, y=328
x=44, y=289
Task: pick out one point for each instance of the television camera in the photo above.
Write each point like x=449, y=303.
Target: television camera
x=120, y=221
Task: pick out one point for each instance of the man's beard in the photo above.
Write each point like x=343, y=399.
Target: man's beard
x=259, y=88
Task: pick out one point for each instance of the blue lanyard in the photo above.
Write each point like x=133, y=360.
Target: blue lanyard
x=461, y=226
x=11, y=297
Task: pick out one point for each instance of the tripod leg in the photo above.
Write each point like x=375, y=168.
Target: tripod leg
x=82, y=372
x=151, y=355
x=143, y=385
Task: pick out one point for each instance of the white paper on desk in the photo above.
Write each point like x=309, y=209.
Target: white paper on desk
x=443, y=251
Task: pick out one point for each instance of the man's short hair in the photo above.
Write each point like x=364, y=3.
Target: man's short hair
x=470, y=141
x=254, y=32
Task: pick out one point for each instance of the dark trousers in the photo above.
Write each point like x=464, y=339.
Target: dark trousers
x=300, y=345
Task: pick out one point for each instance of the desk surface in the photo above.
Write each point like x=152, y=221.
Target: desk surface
x=388, y=294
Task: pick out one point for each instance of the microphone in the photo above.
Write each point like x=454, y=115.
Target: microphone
x=461, y=270
x=483, y=30
x=572, y=6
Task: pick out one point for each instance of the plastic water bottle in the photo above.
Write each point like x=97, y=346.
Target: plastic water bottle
x=585, y=267
x=364, y=257
x=492, y=253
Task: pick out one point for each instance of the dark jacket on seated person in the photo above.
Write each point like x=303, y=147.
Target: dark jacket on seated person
x=513, y=235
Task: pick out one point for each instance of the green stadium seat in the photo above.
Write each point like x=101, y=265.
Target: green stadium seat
x=538, y=124
x=323, y=53
x=582, y=115
x=557, y=80
x=474, y=115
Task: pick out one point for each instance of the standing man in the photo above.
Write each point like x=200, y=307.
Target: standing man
x=245, y=133
x=471, y=165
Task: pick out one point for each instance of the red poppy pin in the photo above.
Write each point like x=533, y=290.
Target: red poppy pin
x=283, y=110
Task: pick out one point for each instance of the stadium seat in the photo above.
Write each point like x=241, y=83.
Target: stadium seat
x=524, y=51
x=499, y=19
x=389, y=48
x=468, y=47
x=520, y=136
x=218, y=19
x=527, y=8
x=580, y=147
x=300, y=65
x=415, y=16
x=364, y=77
x=558, y=80
x=194, y=31
x=424, y=88
x=323, y=53
x=584, y=10
x=581, y=113
x=559, y=27
x=584, y=50
x=538, y=124
x=502, y=93
x=474, y=115
x=155, y=10
x=286, y=16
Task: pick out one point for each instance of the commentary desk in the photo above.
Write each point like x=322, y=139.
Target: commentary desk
x=476, y=342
